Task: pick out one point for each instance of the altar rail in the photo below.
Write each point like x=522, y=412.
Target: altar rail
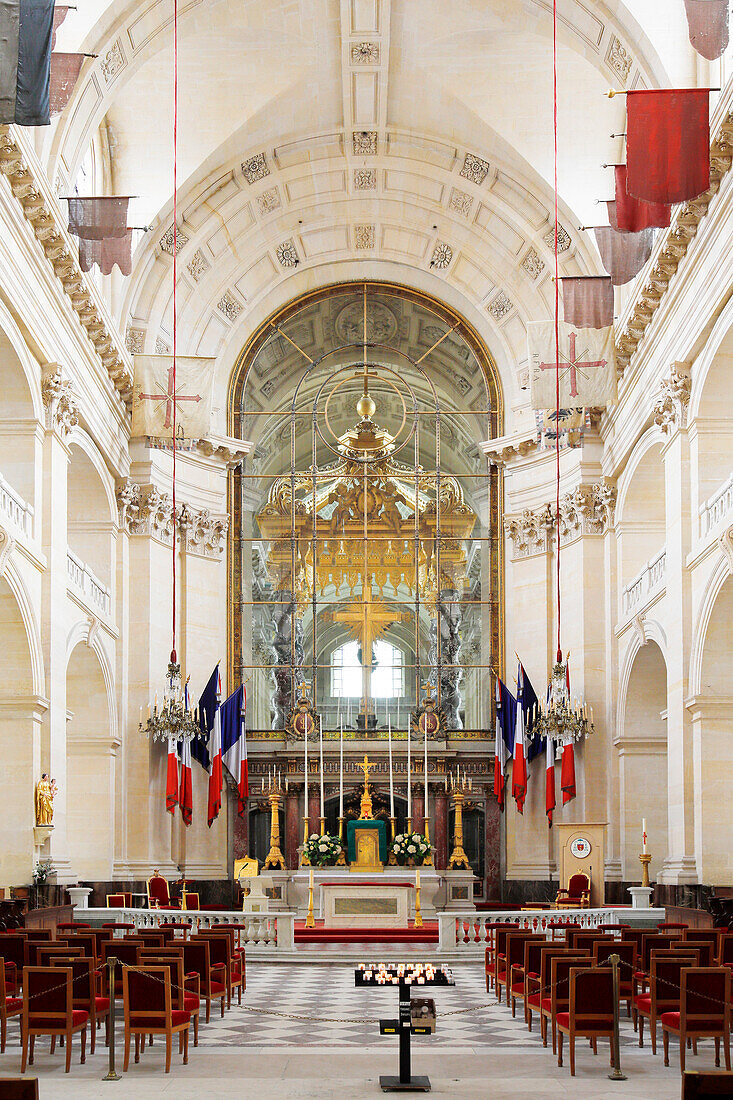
x=467, y=931
x=265, y=931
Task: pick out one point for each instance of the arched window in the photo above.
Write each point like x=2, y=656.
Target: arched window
x=388, y=675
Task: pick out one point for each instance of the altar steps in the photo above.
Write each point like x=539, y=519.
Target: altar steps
x=321, y=935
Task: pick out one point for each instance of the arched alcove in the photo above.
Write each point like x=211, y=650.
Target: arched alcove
x=711, y=436
x=641, y=530
x=90, y=769
x=19, y=743
x=642, y=749
x=90, y=531
x=18, y=441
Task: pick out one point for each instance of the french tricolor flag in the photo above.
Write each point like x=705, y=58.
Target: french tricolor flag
x=216, y=777
x=185, y=796
x=567, y=764
x=171, y=782
x=233, y=714
x=519, y=768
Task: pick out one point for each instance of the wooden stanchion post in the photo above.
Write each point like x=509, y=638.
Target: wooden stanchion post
x=616, y=1074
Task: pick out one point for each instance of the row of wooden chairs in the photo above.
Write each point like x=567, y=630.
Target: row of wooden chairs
x=565, y=983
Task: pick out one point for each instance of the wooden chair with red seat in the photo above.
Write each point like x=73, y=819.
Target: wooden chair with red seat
x=70, y=926
x=557, y=993
x=85, y=995
x=48, y=1009
x=665, y=983
x=649, y=941
x=116, y=901
x=12, y=1088
x=126, y=954
x=44, y=935
x=514, y=957
x=704, y=1086
x=726, y=951
x=500, y=947
x=44, y=953
x=584, y=941
x=148, y=1010
x=576, y=895
x=626, y=951
x=538, y=987
x=159, y=894
x=672, y=928
x=180, y=929
x=191, y=900
x=221, y=951
x=10, y=1006
x=705, y=949
x=15, y=953
x=704, y=1012
x=145, y=938
x=118, y=926
x=492, y=931
x=212, y=979
x=184, y=988
x=569, y=929
x=520, y=975
x=590, y=1010
x=86, y=941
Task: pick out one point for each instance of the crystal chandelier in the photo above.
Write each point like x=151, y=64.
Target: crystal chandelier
x=173, y=720
x=563, y=719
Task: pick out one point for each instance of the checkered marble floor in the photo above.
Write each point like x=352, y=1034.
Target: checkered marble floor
x=338, y=1013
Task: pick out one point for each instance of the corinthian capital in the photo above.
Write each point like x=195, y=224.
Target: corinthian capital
x=670, y=406
x=57, y=391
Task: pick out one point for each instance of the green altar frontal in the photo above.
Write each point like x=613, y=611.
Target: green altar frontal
x=381, y=829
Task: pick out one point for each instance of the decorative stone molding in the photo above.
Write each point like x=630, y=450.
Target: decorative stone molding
x=365, y=179
x=198, y=265
x=725, y=542
x=228, y=306
x=364, y=236
x=62, y=412
x=502, y=451
x=365, y=53
x=500, y=305
x=637, y=624
x=287, y=253
x=364, y=143
x=460, y=201
x=255, y=168
x=619, y=59
x=587, y=510
x=167, y=240
x=563, y=239
x=144, y=510
x=442, y=255
x=7, y=545
x=533, y=264
x=670, y=406
x=269, y=200
x=41, y=210
x=675, y=244
x=531, y=532
x=474, y=168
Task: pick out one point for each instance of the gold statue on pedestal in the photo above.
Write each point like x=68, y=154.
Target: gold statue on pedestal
x=45, y=794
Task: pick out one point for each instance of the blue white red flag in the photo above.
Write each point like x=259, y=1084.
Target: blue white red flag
x=233, y=714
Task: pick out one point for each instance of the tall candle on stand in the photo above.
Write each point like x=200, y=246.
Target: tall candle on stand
x=391, y=779
x=643, y=835
x=425, y=816
x=305, y=773
x=409, y=795
x=320, y=733
x=341, y=773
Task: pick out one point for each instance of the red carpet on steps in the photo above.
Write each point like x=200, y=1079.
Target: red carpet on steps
x=427, y=934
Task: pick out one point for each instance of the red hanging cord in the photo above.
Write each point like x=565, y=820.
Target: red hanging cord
x=175, y=279
x=557, y=324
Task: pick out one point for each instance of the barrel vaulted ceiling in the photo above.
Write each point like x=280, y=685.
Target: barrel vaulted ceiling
x=320, y=140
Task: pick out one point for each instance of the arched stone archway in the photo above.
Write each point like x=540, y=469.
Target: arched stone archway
x=90, y=767
x=642, y=750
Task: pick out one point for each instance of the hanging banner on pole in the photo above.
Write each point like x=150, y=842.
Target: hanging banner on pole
x=708, y=24
x=587, y=366
x=155, y=396
x=668, y=144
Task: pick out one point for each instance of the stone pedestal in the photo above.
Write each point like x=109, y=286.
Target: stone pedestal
x=459, y=890
x=79, y=896
x=278, y=892
x=640, y=896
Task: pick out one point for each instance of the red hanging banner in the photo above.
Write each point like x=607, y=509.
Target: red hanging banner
x=668, y=144
x=708, y=23
x=630, y=215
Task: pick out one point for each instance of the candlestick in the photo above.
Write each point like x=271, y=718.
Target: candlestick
x=418, y=913
x=409, y=792
x=391, y=779
x=320, y=733
x=643, y=835
x=309, y=921
x=275, y=859
x=341, y=774
x=426, y=781
x=305, y=774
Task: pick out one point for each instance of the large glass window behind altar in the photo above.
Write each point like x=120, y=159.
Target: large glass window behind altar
x=367, y=567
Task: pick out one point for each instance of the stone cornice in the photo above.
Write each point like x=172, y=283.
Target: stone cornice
x=673, y=246
x=41, y=210
x=587, y=510
x=144, y=510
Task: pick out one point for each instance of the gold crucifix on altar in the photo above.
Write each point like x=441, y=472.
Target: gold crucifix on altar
x=365, y=812
x=367, y=622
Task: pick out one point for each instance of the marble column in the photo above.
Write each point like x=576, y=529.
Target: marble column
x=492, y=845
x=314, y=810
x=241, y=835
x=418, y=810
x=440, y=840
x=288, y=645
x=293, y=826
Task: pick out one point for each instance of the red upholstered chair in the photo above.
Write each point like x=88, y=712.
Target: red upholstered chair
x=538, y=988
x=191, y=899
x=184, y=988
x=13, y=949
x=213, y=979
x=626, y=951
x=514, y=957
x=726, y=951
x=48, y=1009
x=569, y=929
x=703, y=935
x=38, y=934
x=221, y=950
x=520, y=975
x=84, y=985
x=180, y=929
x=46, y=953
x=500, y=947
x=115, y=901
x=672, y=929
x=9, y=1006
x=590, y=1010
x=126, y=954
x=704, y=1012
x=665, y=982
x=145, y=938
x=118, y=926
x=576, y=895
x=148, y=1010
x=705, y=949
x=159, y=895
x=557, y=996
x=584, y=941
x=86, y=941
x=493, y=931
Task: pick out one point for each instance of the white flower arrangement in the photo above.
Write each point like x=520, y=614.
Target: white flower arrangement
x=410, y=848
x=323, y=851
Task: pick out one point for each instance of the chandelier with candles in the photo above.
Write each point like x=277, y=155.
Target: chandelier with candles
x=173, y=720
x=563, y=719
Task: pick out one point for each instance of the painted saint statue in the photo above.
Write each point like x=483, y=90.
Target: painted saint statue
x=45, y=792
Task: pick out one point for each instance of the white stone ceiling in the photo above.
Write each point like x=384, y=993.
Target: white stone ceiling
x=325, y=139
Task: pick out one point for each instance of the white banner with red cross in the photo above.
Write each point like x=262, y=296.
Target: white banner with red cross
x=158, y=401
x=587, y=366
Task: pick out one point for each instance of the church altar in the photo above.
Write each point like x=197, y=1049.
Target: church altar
x=355, y=890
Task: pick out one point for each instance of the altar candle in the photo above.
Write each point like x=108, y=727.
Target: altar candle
x=391, y=779
x=643, y=835
x=417, y=878
x=341, y=773
x=425, y=815
x=320, y=734
x=306, y=813
x=409, y=792
x=141, y=715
